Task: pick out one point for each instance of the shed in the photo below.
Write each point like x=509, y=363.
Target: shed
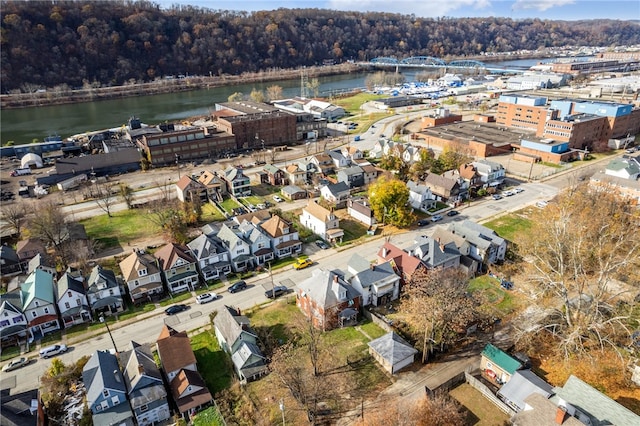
x=392, y=352
x=497, y=365
x=31, y=159
x=293, y=192
x=522, y=384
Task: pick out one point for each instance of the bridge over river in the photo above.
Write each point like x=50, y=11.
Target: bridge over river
x=431, y=62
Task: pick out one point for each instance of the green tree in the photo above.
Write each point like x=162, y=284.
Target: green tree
x=452, y=159
x=395, y=164
x=257, y=96
x=126, y=192
x=235, y=97
x=390, y=202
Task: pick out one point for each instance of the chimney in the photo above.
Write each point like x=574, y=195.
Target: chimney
x=140, y=369
x=116, y=374
x=372, y=266
x=335, y=278
x=561, y=413
x=238, y=311
x=384, y=252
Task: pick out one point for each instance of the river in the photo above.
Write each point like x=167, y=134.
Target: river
x=29, y=124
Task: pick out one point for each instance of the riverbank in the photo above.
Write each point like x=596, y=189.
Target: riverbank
x=163, y=86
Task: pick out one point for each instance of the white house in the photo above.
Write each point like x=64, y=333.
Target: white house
x=321, y=222
x=39, y=303
x=13, y=323
x=338, y=159
x=285, y=240
x=360, y=210
x=486, y=245
x=72, y=300
x=239, y=250
x=420, y=196
x=378, y=284
x=489, y=171
x=626, y=168
x=212, y=257
x=103, y=292
x=259, y=243
x=336, y=193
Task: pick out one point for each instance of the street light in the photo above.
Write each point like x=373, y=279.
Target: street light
x=103, y=320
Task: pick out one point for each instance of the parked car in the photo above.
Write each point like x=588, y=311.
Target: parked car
x=508, y=193
x=277, y=291
x=423, y=222
x=497, y=197
x=541, y=204
x=54, y=350
x=277, y=199
x=206, y=298
x=518, y=190
x=15, y=364
x=237, y=286
x=321, y=244
x=452, y=213
x=172, y=310
x=302, y=263
x=436, y=218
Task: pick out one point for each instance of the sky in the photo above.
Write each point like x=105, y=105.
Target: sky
x=515, y=9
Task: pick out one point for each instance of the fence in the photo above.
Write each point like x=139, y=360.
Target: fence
x=377, y=320
x=447, y=386
x=484, y=390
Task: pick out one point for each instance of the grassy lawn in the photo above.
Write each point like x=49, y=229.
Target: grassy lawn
x=209, y=417
x=122, y=228
x=352, y=231
x=10, y=352
x=496, y=301
x=176, y=299
x=264, y=189
x=352, y=104
x=281, y=263
x=511, y=225
x=213, y=363
x=211, y=214
x=253, y=199
x=373, y=330
x=481, y=412
x=229, y=204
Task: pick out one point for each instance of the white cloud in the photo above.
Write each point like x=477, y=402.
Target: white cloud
x=540, y=5
x=429, y=8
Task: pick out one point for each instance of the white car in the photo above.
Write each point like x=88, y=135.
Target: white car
x=54, y=350
x=206, y=298
x=541, y=204
x=518, y=190
x=277, y=199
x=15, y=364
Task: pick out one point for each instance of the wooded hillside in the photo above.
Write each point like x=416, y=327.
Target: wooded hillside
x=78, y=43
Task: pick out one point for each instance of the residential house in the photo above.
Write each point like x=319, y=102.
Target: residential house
x=21, y=408
x=378, y=149
x=178, y=268
x=215, y=186
x=486, y=245
x=411, y=154
x=13, y=323
x=625, y=168
x=497, y=366
x=392, y=352
x=77, y=241
x=39, y=304
x=339, y=160
x=328, y=300
x=106, y=391
x=256, y=217
x=211, y=257
x=522, y=384
x=180, y=370
x=259, y=243
x=274, y=175
x=295, y=175
x=9, y=261
x=146, y=391
x=468, y=264
x=352, y=176
x=308, y=166
x=443, y=189
x=370, y=172
x=625, y=188
x=490, y=173
x=323, y=163
x=141, y=273
x=471, y=177
x=42, y=262
x=540, y=411
x=103, y=292
x=238, y=184
x=591, y=406
x=238, y=339
x=72, y=300
x=321, y=222
x=293, y=192
x=352, y=153
x=336, y=193
x=189, y=189
x=405, y=265
x=420, y=197
x=378, y=284
x=28, y=249
x=285, y=241
x=463, y=185
x=239, y=250
x=435, y=254
x=360, y=209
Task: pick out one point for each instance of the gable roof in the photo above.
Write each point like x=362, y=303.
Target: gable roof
x=98, y=273
x=228, y=237
x=68, y=282
x=542, y=412
x=185, y=181
x=102, y=372
x=433, y=181
x=432, y=252
x=253, y=217
x=476, y=234
x=601, y=409
x=29, y=245
x=38, y=285
x=317, y=211
x=271, y=169
x=231, y=326
x=141, y=370
x=276, y=226
x=8, y=255
x=501, y=358
x=392, y=348
x=181, y=383
x=135, y=262
x=402, y=260
x=322, y=285
x=210, y=179
x=169, y=254
x=174, y=349
x=522, y=384
x=205, y=246
x=337, y=188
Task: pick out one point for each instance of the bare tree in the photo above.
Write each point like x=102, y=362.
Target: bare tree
x=15, y=214
x=437, y=308
x=49, y=226
x=126, y=192
x=577, y=247
x=105, y=196
x=436, y=410
x=274, y=93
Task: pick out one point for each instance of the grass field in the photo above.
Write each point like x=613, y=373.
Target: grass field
x=509, y=226
x=497, y=301
x=121, y=229
x=213, y=363
x=481, y=412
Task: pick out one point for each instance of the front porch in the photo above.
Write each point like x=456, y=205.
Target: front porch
x=334, y=235
x=215, y=270
x=78, y=315
x=288, y=249
x=187, y=281
x=263, y=256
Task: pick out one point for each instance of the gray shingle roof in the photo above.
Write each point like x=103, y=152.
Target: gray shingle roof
x=392, y=348
x=522, y=384
x=102, y=372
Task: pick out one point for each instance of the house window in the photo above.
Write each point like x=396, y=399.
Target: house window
x=137, y=283
x=46, y=310
x=115, y=400
x=69, y=293
x=142, y=272
x=35, y=314
x=37, y=303
x=67, y=305
x=144, y=408
x=111, y=292
x=78, y=303
x=105, y=393
x=16, y=320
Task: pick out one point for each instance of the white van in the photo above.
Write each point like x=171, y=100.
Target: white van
x=54, y=350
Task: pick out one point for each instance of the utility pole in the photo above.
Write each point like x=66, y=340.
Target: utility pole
x=103, y=320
